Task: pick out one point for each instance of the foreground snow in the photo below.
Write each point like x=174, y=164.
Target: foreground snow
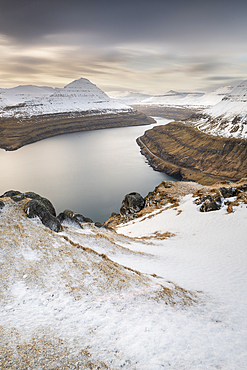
x=66, y=305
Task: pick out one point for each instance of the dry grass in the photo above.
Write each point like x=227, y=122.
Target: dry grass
x=156, y=235
x=176, y=296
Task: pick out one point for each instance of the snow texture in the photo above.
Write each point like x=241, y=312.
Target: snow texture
x=78, y=96
x=91, y=298
x=228, y=118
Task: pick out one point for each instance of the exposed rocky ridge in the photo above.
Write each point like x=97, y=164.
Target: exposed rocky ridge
x=37, y=206
x=182, y=151
x=17, y=132
x=169, y=194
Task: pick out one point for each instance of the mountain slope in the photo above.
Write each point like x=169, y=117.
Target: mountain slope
x=77, y=107
x=167, y=290
x=22, y=93
x=79, y=95
x=228, y=118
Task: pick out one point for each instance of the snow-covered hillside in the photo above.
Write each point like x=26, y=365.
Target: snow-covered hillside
x=228, y=118
x=22, y=93
x=129, y=97
x=167, y=291
x=79, y=95
x=174, y=98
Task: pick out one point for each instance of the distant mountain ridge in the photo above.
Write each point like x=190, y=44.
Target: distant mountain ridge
x=79, y=106
x=79, y=95
x=174, y=98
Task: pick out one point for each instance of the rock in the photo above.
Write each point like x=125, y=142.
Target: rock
x=208, y=205
x=69, y=212
x=77, y=216
x=203, y=199
x=132, y=203
x=229, y=192
x=35, y=196
x=10, y=193
x=35, y=208
x=68, y=220
x=102, y=226
x=1, y=204
x=81, y=218
x=242, y=187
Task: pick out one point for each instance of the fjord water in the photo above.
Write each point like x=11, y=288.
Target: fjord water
x=88, y=172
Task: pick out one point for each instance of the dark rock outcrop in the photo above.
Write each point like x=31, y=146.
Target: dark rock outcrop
x=132, y=203
x=229, y=192
x=76, y=217
x=35, y=208
x=81, y=218
x=215, y=200
x=31, y=195
x=68, y=220
x=209, y=205
x=10, y=193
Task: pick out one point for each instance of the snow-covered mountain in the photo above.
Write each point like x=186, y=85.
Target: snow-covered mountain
x=79, y=95
x=129, y=97
x=167, y=290
x=173, y=98
x=22, y=93
x=228, y=118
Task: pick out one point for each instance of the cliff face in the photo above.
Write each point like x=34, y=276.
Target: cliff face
x=185, y=152
x=79, y=106
x=17, y=132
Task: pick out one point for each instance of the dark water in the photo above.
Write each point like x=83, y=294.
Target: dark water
x=87, y=172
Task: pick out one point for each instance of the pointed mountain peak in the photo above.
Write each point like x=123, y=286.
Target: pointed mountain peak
x=81, y=82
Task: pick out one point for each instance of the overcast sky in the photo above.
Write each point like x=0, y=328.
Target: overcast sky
x=138, y=45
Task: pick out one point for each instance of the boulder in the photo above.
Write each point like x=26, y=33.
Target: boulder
x=209, y=205
x=68, y=220
x=35, y=208
x=201, y=200
x=10, y=193
x=35, y=196
x=81, y=218
x=77, y=216
x=229, y=192
x=132, y=203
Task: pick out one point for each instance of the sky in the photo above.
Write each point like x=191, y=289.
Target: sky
x=131, y=45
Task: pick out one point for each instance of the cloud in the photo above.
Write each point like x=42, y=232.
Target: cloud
x=150, y=46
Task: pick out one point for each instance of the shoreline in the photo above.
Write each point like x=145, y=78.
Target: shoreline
x=186, y=153
x=18, y=132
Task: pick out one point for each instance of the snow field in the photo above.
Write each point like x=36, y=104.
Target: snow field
x=99, y=314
